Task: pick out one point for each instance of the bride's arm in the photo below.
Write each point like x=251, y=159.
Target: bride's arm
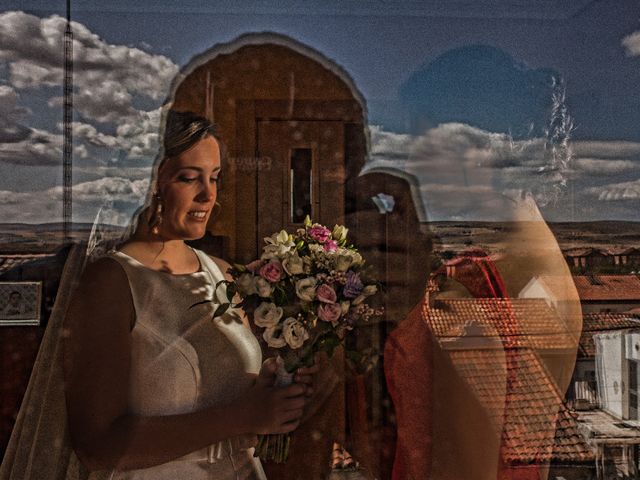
x=97, y=359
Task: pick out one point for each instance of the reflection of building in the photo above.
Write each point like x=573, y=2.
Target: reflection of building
x=614, y=429
x=584, y=389
x=612, y=259
x=529, y=323
x=608, y=293
x=589, y=257
x=502, y=348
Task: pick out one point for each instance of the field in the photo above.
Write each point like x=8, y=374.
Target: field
x=453, y=236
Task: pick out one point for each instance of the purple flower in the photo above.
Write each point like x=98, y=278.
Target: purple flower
x=319, y=233
x=353, y=286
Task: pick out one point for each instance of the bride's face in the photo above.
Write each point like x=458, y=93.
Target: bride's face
x=188, y=190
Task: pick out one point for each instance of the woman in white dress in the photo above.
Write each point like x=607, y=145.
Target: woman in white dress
x=155, y=387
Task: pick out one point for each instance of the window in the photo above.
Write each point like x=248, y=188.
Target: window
x=301, y=183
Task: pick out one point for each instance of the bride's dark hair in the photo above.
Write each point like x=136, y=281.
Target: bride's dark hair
x=183, y=130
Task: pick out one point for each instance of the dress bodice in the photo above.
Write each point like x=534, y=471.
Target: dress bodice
x=184, y=360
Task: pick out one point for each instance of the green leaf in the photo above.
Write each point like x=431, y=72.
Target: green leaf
x=232, y=289
x=200, y=303
x=239, y=267
x=221, y=310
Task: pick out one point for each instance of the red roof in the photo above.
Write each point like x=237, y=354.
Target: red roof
x=593, y=323
x=537, y=425
x=536, y=324
x=607, y=287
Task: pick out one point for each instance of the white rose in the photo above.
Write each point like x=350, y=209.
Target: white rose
x=273, y=336
x=339, y=233
x=344, y=306
x=267, y=314
x=343, y=262
x=245, y=284
x=369, y=290
x=293, y=264
x=294, y=333
x=263, y=287
x=356, y=258
x=306, y=289
x=275, y=251
x=359, y=299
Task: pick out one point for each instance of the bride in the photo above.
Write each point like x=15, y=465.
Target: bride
x=155, y=387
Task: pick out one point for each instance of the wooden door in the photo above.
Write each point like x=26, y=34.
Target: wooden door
x=305, y=174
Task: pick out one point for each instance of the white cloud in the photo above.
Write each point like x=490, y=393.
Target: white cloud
x=594, y=166
x=464, y=171
x=108, y=79
x=39, y=61
x=615, y=149
x=98, y=172
x=38, y=148
x=107, y=189
x=617, y=191
x=117, y=197
x=631, y=43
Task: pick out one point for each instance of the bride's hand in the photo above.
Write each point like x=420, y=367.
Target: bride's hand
x=269, y=409
x=305, y=376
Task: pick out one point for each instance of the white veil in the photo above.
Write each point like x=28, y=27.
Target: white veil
x=39, y=447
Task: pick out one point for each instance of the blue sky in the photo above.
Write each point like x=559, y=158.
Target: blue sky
x=443, y=81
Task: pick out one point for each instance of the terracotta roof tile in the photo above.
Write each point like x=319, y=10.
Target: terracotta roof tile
x=607, y=287
x=593, y=323
x=538, y=427
x=536, y=323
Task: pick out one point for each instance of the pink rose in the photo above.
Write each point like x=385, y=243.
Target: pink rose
x=319, y=233
x=329, y=312
x=271, y=271
x=330, y=246
x=326, y=294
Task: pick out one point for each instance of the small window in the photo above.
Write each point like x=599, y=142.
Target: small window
x=301, y=184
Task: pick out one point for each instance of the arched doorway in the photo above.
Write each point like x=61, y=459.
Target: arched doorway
x=293, y=126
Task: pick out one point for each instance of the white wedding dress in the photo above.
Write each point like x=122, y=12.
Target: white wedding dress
x=182, y=361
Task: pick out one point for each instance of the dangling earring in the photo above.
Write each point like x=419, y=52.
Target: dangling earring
x=156, y=218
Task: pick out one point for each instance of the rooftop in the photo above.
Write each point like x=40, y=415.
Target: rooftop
x=593, y=323
x=529, y=322
x=538, y=427
x=607, y=287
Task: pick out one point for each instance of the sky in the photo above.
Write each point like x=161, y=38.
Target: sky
x=479, y=101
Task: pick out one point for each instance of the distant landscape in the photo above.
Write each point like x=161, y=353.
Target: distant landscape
x=454, y=236
x=45, y=237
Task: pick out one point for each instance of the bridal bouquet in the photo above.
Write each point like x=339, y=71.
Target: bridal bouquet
x=305, y=294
